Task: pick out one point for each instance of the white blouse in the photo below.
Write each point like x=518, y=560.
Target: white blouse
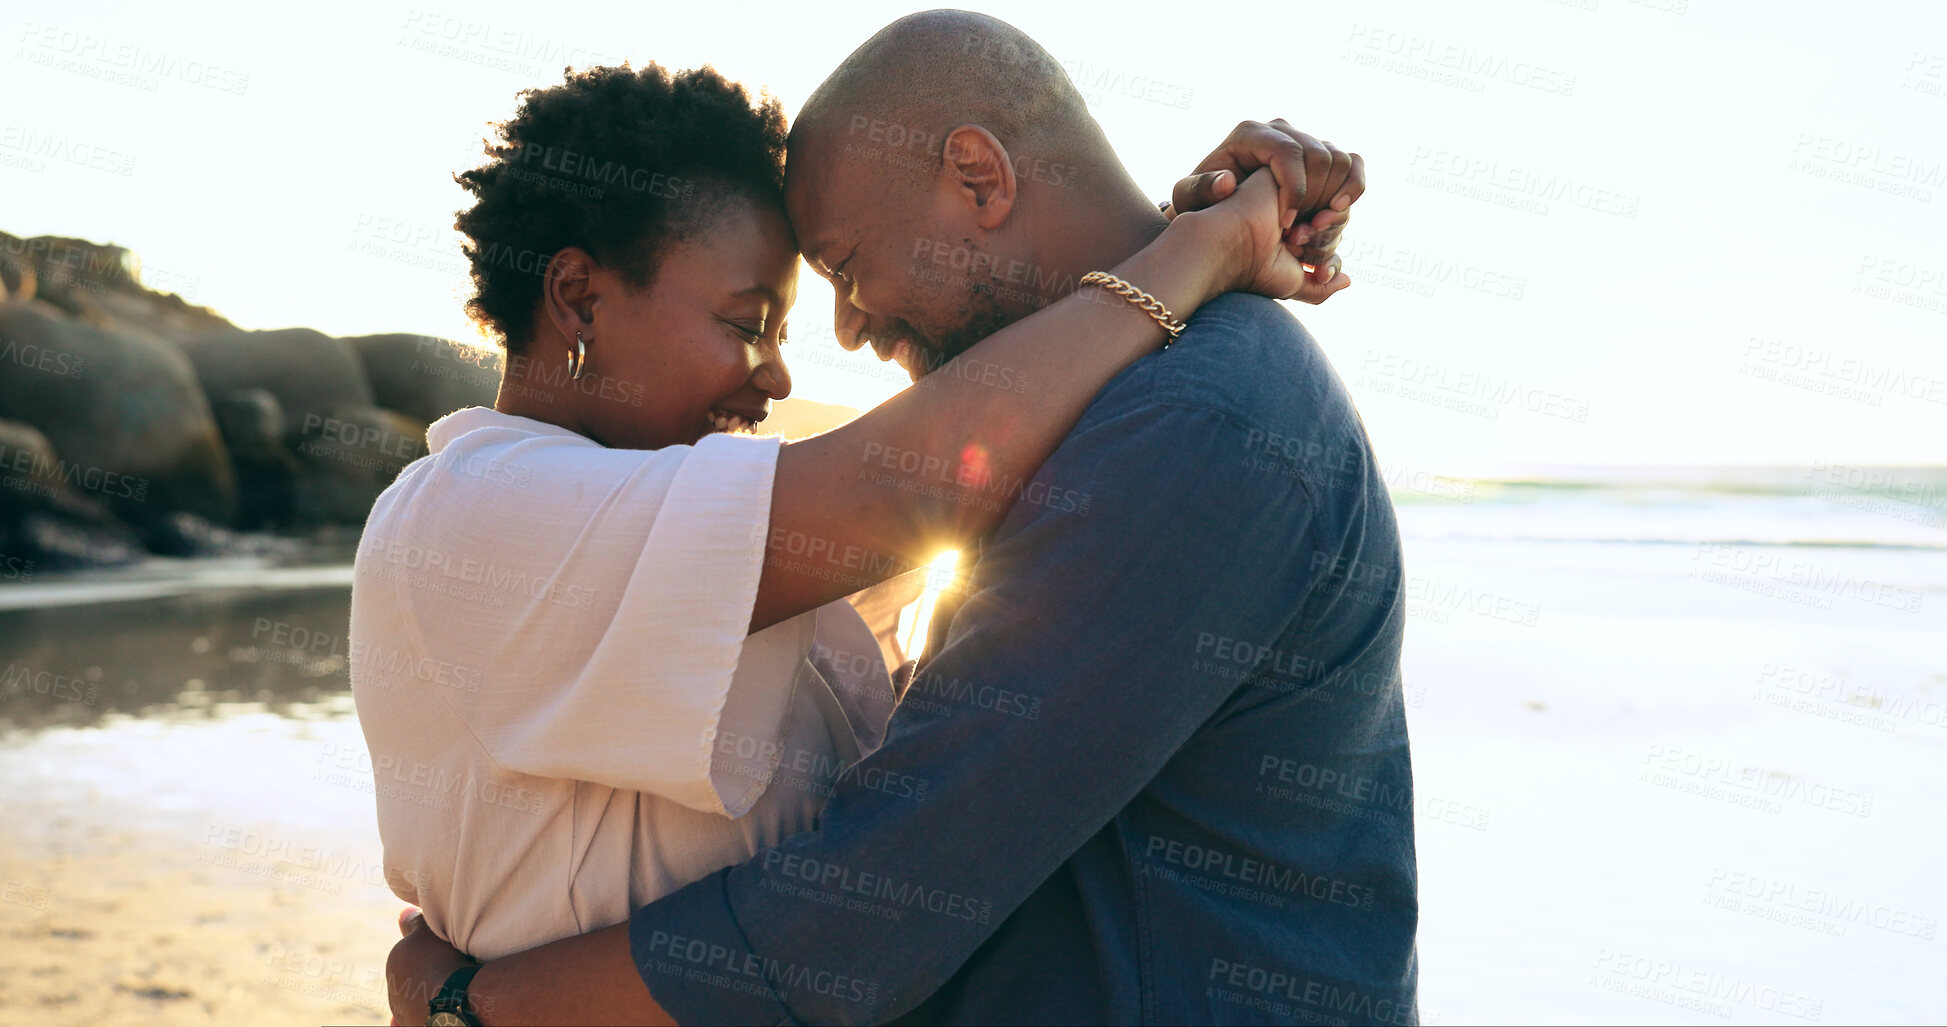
x=550, y=659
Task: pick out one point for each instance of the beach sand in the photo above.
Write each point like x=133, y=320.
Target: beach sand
x=172, y=899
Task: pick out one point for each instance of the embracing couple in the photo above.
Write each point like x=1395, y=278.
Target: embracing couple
x=654, y=754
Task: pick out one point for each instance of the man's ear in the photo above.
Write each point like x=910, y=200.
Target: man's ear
x=975, y=166
x=568, y=293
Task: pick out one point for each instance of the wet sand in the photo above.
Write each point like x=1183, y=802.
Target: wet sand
x=163, y=896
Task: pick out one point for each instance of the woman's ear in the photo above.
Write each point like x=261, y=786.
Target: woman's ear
x=568, y=291
x=976, y=168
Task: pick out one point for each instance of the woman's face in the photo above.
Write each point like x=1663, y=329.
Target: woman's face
x=697, y=351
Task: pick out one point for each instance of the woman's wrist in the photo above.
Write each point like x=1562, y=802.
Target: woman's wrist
x=1186, y=266
x=1220, y=240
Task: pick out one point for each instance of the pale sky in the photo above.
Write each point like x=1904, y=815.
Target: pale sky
x=1598, y=231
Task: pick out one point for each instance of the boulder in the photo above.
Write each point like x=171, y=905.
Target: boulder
x=252, y=423
x=310, y=373
x=16, y=270
x=325, y=471
x=121, y=408
x=349, y=457
x=45, y=523
x=27, y=468
x=162, y=314
x=254, y=430
x=69, y=271
x=426, y=377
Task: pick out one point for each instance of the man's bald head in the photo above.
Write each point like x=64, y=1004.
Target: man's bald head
x=926, y=73
x=945, y=178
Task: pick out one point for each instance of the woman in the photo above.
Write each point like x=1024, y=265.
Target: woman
x=580, y=677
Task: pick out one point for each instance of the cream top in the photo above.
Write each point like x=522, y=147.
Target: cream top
x=565, y=715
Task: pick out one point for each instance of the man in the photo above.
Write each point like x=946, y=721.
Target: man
x=1158, y=769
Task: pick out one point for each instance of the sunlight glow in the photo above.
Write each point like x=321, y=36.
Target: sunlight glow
x=917, y=619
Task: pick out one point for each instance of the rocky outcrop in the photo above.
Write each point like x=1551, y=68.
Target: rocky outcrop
x=340, y=449
x=351, y=456
x=310, y=373
x=123, y=411
x=27, y=462
x=169, y=317
x=134, y=421
x=50, y=525
x=101, y=285
x=253, y=427
x=16, y=270
x=426, y=377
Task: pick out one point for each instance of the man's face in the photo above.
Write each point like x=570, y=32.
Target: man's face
x=891, y=242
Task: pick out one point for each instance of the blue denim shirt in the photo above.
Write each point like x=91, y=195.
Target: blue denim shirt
x=1159, y=771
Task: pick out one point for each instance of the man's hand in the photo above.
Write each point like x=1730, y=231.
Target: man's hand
x=1317, y=183
x=419, y=964
x=588, y=978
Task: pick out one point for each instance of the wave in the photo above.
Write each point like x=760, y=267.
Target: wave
x=1925, y=483
x=165, y=577
x=1678, y=517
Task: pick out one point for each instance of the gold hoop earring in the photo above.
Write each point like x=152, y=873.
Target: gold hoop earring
x=577, y=359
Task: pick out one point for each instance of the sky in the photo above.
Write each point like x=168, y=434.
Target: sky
x=1596, y=232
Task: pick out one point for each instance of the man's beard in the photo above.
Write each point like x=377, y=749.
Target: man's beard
x=928, y=353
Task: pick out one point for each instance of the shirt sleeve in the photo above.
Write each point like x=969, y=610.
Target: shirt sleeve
x=606, y=595
x=1065, y=686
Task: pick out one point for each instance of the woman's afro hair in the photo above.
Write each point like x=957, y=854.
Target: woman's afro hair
x=619, y=162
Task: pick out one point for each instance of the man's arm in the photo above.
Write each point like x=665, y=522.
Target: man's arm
x=588, y=979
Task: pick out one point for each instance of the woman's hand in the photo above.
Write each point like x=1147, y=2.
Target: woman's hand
x=1316, y=180
x=1244, y=237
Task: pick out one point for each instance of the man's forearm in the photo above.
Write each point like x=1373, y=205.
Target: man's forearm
x=590, y=978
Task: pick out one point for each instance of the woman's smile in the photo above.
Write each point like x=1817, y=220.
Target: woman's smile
x=736, y=422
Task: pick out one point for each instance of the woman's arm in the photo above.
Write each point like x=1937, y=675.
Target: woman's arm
x=885, y=492
x=1318, y=179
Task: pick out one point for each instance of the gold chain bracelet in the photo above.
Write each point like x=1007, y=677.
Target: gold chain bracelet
x=1143, y=301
